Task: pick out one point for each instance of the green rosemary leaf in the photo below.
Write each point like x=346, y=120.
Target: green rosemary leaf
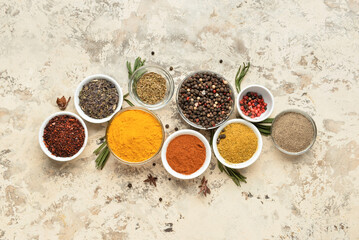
x=236, y=177
x=268, y=120
x=240, y=75
x=129, y=102
x=97, y=151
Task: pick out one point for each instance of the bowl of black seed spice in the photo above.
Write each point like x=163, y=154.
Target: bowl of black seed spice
x=97, y=98
x=205, y=99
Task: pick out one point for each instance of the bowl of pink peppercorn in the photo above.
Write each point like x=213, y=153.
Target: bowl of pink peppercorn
x=255, y=103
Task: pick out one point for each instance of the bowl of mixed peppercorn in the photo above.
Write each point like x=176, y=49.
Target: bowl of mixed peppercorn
x=205, y=99
x=255, y=103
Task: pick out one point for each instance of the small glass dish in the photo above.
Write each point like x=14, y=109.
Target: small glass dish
x=132, y=85
x=314, y=132
x=159, y=149
x=192, y=123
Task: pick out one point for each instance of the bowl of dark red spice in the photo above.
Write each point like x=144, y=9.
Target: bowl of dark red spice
x=237, y=144
x=255, y=103
x=151, y=87
x=97, y=98
x=63, y=136
x=186, y=154
x=205, y=99
x=293, y=132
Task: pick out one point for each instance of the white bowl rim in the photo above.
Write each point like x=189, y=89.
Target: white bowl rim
x=44, y=148
x=249, y=161
x=206, y=161
x=263, y=116
x=77, y=101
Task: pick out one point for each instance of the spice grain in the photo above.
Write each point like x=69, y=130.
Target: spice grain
x=151, y=88
x=293, y=132
x=99, y=98
x=134, y=135
x=186, y=154
x=64, y=136
x=238, y=144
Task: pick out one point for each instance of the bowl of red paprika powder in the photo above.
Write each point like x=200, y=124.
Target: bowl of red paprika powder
x=186, y=154
x=63, y=136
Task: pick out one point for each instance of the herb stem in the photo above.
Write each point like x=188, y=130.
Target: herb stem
x=97, y=151
x=240, y=75
x=138, y=63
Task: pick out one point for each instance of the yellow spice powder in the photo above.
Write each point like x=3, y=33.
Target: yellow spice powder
x=239, y=144
x=134, y=135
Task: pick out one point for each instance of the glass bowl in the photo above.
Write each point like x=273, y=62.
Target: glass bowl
x=132, y=86
x=159, y=149
x=314, y=132
x=192, y=123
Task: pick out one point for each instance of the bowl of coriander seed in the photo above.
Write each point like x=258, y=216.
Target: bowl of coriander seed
x=151, y=86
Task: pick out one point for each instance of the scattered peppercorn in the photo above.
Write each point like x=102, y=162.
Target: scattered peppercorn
x=129, y=185
x=154, y=164
x=152, y=53
x=205, y=99
x=176, y=129
x=167, y=126
x=221, y=61
x=171, y=68
x=160, y=199
x=169, y=179
x=253, y=105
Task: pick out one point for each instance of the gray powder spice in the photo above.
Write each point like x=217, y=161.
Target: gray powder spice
x=293, y=132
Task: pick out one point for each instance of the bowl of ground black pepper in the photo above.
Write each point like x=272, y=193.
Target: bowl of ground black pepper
x=205, y=99
x=63, y=136
x=293, y=132
x=97, y=98
x=151, y=87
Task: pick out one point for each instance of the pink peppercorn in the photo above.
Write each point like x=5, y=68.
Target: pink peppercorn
x=253, y=105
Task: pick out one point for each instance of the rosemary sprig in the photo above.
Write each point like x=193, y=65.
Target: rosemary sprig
x=240, y=75
x=103, y=153
x=236, y=177
x=138, y=63
x=264, y=127
x=126, y=100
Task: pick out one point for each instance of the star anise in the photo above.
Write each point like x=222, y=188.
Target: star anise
x=203, y=187
x=62, y=103
x=151, y=180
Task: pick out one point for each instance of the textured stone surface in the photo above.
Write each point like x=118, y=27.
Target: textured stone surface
x=305, y=52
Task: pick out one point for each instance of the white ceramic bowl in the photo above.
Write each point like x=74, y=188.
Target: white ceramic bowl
x=206, y=161
x=267, y=96
x=77, y=100
x=249, y=161
x=44, y=148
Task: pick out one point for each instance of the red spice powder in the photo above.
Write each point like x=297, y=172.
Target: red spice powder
x=186, y=154
x=64, y=136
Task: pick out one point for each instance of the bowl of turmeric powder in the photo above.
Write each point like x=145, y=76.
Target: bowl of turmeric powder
x=237, y=144
x=135, y=135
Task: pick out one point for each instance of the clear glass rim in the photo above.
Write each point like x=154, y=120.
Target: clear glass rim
x=196, y=125
x=144, y=110
x=168, y=96
x=306, y=115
